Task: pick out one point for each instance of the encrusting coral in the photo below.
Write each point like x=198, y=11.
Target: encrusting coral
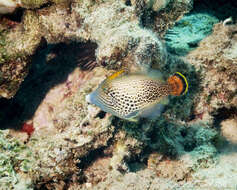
x=216, y=60
x=14, y=54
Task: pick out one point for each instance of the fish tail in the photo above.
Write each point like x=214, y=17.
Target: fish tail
x=178, y=83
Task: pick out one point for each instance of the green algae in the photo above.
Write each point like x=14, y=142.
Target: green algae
x=15, y=160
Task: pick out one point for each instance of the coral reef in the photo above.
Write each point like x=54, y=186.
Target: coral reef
x=216, y=61
x=160, y=15
x=14, y=61
x=58, y=51
x=63, y=132
x=228, y=130
x=84, y=23
x=8, y=6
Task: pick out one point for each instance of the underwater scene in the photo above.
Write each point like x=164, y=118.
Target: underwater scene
x=118, y=95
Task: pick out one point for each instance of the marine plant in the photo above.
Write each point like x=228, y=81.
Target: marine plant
x=15, y=162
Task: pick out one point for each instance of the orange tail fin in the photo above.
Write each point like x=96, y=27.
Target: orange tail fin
x=178, y=83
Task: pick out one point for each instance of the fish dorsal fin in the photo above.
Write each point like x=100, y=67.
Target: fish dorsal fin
x=117, y=74
x=164, y=101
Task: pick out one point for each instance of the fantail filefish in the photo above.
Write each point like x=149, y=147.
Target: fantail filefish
x=130, y=96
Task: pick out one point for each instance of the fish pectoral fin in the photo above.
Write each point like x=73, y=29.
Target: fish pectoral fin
x=164, y=101
x=106, y=83
x=152, y=111
x=132, y=116
x=134, y=119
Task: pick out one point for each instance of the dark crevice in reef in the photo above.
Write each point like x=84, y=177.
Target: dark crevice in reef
x=101, y=114
x=223, y=114
x=128, y=3
x=139, y=162
x=86, y=161
x=137, y=165
x=93, y=155
x=16, y=16
x=48, y=4
x=219, y=8
x=148, y=18
x=51, y=65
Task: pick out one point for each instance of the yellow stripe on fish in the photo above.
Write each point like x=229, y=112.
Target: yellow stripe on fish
x=185, y=81
x=115, y=75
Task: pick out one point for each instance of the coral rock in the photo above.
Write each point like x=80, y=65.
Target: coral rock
x=7, y=6
x=229, y=130
x=216, y=61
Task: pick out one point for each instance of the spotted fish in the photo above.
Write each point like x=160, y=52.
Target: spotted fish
x=134, y=95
